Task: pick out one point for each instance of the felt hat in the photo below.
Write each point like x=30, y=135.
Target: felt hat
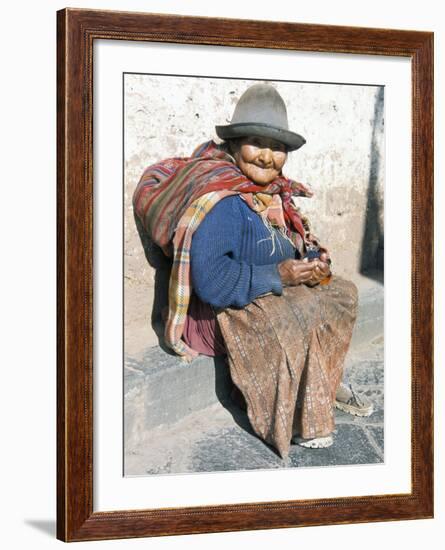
x=261, y=111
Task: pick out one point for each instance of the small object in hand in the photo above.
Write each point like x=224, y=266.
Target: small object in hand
x=312, y=254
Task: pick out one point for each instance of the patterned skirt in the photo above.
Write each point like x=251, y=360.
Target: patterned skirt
x=286, y=355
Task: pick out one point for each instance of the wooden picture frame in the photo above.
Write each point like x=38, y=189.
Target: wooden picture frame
x=77, y=31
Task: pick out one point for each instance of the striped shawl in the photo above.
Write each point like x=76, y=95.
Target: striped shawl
x=173, y=197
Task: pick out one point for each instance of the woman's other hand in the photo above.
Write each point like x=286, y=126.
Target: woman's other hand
x=321, y=270
x=295, y=272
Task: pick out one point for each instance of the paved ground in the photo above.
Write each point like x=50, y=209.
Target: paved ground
x=194, y=444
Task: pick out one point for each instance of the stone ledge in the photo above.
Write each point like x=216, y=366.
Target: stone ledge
x=162, y=389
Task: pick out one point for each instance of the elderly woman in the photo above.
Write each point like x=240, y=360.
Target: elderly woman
x=248, y=279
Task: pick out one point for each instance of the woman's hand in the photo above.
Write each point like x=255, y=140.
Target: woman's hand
x=295, y=272
x=321, y=270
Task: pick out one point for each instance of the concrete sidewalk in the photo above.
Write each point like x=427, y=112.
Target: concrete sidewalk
x=179, y=418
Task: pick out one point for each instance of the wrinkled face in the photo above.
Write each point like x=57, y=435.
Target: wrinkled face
x=260, y=158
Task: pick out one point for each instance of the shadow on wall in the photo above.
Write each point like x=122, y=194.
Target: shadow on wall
x=373, y=236
x=162, y=268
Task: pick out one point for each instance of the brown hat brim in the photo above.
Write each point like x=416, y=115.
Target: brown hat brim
x=292, y=140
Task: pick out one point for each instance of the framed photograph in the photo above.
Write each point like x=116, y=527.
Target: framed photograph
x=245, y=229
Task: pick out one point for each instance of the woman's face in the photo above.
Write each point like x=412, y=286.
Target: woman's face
x=259, y=158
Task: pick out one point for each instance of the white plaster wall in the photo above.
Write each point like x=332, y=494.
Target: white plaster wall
x=342, y=160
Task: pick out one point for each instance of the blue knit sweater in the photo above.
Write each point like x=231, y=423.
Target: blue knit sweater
x=232, y=256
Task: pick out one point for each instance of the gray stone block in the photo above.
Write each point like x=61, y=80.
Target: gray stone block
x=169, y=388
x=232, y=449
x=378, y=435
x=351, y=446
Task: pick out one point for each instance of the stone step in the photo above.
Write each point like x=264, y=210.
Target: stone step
x=228, y=443
x=369, y=324
x=161, y=389
x=220, y=437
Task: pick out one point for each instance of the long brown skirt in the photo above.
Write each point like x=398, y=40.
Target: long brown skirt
x=286, y=356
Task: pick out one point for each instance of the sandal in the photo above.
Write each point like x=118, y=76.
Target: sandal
x=315, y=443
x=347, y=400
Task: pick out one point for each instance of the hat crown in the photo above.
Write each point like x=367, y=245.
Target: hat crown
x=261, y=111
x=261, y=104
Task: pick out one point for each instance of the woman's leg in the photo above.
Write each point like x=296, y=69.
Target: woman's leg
x=325, y=361
x=281, y=348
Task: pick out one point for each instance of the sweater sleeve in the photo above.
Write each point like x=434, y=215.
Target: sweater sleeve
x=217, y=277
